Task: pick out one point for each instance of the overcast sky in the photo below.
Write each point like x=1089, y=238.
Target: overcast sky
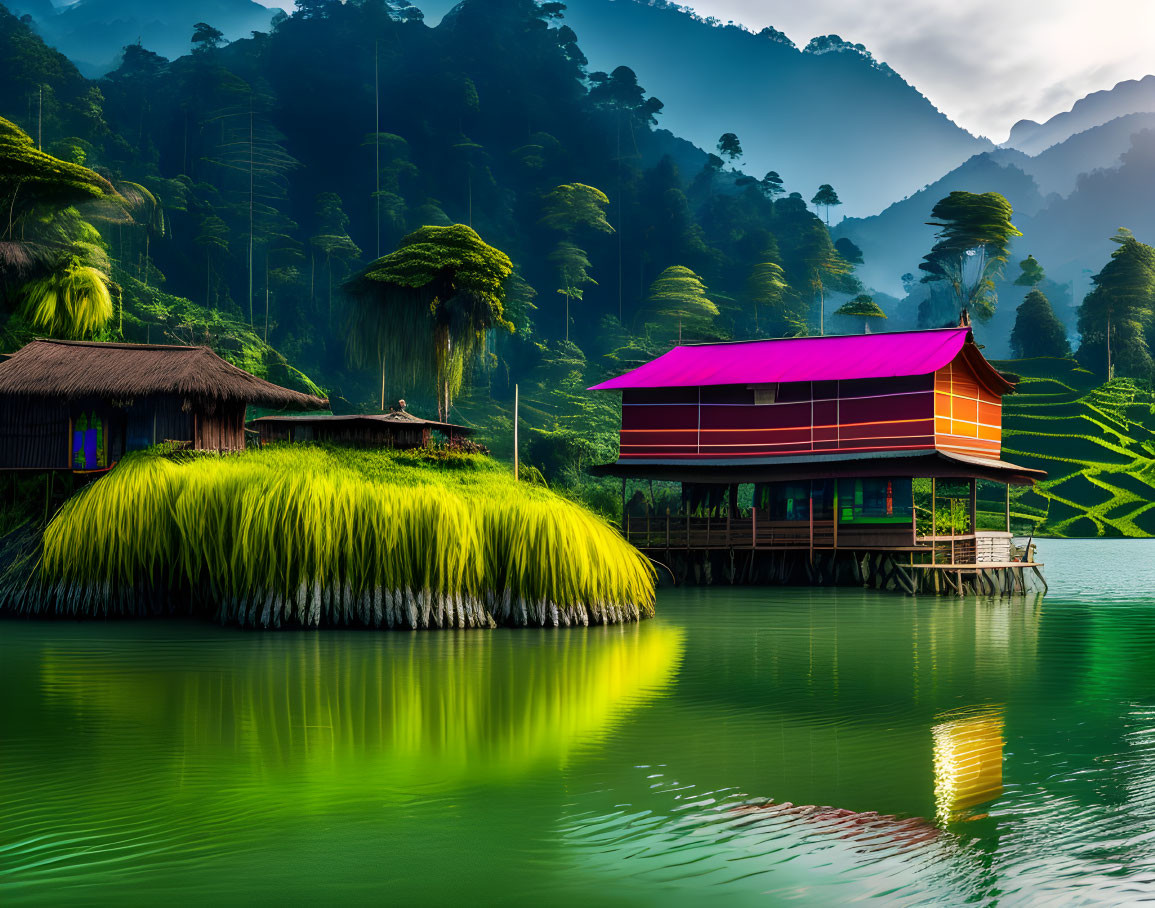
x=985, y=63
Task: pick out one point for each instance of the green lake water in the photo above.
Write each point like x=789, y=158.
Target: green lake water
x=748, y=745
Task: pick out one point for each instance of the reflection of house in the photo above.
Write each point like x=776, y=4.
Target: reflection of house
x=832, y=433
x=396, y=429
x=74, y=405
x=968, y=761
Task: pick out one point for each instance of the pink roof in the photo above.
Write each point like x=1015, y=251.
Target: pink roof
x=798, y=359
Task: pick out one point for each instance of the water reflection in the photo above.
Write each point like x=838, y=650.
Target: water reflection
x=815, y=745
x=429, y=707
x=968, y=761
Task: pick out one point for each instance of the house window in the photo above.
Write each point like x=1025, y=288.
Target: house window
x=89, y=442
x=872, y=500
x=764, y=394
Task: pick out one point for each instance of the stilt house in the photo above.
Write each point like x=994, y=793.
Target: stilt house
x=80, y=406
x=836, y=435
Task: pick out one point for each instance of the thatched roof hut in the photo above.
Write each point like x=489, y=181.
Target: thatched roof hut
x=395, y=429
x=81, y=405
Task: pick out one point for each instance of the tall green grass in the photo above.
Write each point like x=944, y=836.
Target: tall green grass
x=318, y=537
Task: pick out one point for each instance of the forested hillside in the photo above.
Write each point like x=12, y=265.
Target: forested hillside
x=273, y=176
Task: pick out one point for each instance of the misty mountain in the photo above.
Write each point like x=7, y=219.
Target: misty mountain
x=1097, y=108
x=92, y=33
x=894, y=241
x=1069, y=235
x=1057, y=169
x=827, y=114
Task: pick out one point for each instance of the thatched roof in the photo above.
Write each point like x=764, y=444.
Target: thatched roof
x=80, y=369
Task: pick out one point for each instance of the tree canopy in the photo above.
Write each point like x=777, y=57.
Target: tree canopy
x=729, y=146
x=436, y=292
x=53, y=266
x=1037, y=331
x=826, y=198
x=1116, y=317
x=677, y=303
x=574, y=206
x=862, y=308
x=1031, y=273
x=972, y=245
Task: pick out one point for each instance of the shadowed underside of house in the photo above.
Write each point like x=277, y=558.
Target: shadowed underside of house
x=876, y=458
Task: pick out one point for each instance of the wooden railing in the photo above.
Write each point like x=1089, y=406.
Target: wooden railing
x=755, y=532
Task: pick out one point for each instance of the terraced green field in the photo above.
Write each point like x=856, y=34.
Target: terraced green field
x=1096, y=442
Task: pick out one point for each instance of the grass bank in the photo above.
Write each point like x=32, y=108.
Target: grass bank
x=313, y=536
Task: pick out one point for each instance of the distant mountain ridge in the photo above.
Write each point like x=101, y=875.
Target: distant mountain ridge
x=829, y=114
x=92, y=33
x=1069, y=197
x=1097, y=108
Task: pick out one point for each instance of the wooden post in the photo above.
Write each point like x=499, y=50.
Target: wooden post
x=516, y=407
x=933, y=524
x=974, y=507
x=811, y=501
x=835, y=482
x=1008, y=511
x=913, y=520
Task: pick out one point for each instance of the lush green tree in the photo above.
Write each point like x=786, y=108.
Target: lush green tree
x=425, y=306
x=677, y=304
x=863, y=309
x=972, y=245
x=570, y=209
x=772, y=185
x=620, y=91
x=826, y=271
x=729, y=146
x=573, y=269
x=1031, y=273
x=1037, y=331
x=575, y=206
x=333, y=240
x=778, y=312
x=1115, y=318
x=205, y=37
x=826, y=198
x=53, y=264
x=213, y=237
x=848, y=250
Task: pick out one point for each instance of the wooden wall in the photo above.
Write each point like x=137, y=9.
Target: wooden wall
x=34, y=434
x=222, y=429
x=968, y=418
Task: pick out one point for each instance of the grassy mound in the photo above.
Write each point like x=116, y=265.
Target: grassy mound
x=318, y=537
x=1096, y=442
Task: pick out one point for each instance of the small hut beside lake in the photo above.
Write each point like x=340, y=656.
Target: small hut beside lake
x=836, y=435
x=81, y=405
x=395, y=429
